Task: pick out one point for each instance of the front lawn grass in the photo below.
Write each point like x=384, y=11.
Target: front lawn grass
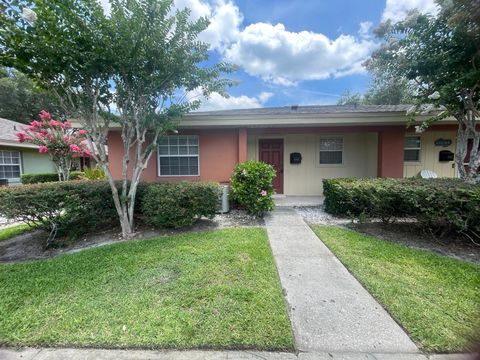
x=216, y=289
x=11, y=231
x=434, y=297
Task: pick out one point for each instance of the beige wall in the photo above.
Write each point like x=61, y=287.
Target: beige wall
x=32, y=162
x=359, y=160
x=429, y=155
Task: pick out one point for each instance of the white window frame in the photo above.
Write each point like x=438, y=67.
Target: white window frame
x=19, y=164
x=419, y=148
x=178, y=156
x=320, y=150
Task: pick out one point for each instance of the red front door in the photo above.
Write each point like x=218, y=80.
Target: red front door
x=271, y=152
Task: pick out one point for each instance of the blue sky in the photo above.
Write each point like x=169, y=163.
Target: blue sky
x=331, y=18
x=302, y=52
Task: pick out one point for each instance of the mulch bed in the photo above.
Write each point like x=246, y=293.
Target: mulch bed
x=31, y=245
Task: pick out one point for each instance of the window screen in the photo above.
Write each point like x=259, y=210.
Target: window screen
x=412, y=148
x=331, y=151
x=178, y=155
x=9, y=164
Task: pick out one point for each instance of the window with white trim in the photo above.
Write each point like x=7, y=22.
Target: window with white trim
x=178, y=155
x=10, y=167
x=331, y=151
x=412, y=148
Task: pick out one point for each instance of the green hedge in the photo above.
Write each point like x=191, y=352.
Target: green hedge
x=73, y=208
x=47, y=177
x=176, y=205
x=64, y=209
x=440, y=205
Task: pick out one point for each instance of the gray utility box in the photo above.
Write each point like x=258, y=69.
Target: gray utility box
x=223, y=203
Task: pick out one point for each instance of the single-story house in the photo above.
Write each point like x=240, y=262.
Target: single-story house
x=19, y=158
x=304, y=143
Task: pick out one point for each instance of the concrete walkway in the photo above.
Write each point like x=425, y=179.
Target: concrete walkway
x=329, y=309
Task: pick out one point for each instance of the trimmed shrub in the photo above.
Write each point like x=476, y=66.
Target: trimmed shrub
x=440, y=205
x=47, y=177
x=65, y=209
x=174, y=205
x=252, y=187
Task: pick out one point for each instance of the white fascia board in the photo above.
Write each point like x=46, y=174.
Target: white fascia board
x=16, y=144
x=353, y=119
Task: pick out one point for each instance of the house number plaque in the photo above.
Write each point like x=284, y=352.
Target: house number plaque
x=443, y=142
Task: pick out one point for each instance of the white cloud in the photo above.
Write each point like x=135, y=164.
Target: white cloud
x=273, y=53
x=197, y=8
x=365, y=28
x=225, y=20
x=106, y=6
x=224, y=25
x=396, y=10
x=285, y=58
x=218, y=102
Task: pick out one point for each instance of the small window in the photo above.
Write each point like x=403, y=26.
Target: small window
x=412, y=148
x=178, y=156
x=331, y=151
x=10, y=164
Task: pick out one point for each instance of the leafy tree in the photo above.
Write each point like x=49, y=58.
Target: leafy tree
x=440, y=58
x=21, y=99
x=350, y=98
x=385, y=91
x=57, y=139
x=129, y=70
x=381, y=91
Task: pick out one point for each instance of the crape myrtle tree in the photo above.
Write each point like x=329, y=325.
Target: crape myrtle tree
x=130, y=69
x=57, y=139
x=439, y=57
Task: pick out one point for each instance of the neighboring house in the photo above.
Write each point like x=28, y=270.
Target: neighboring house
x=304, y=143
x=19, y=158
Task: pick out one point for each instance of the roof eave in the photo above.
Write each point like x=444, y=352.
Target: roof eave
x=16, y=144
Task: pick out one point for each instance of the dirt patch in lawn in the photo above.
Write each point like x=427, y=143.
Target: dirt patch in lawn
x=31, y=245
x=412, y=235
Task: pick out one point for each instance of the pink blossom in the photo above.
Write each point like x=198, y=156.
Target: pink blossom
x=75, y=148
x=66, y=138
x=42, y=149
x=66, y=125
x=44, y=115
x=263, y=193
x=54, y=123
x=35, y=124
x=22, y=137
x=82, y=132
x=87, y=153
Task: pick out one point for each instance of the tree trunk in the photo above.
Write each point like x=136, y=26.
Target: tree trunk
x=461, y=150
x=467, y=130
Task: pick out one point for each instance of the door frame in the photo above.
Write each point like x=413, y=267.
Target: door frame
x=275, y=138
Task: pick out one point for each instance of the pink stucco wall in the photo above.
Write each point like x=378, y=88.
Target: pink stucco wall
x=221, y=149
x=218, y=151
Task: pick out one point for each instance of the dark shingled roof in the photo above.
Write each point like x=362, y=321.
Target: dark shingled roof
x=311, y=109
x=9, y=128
